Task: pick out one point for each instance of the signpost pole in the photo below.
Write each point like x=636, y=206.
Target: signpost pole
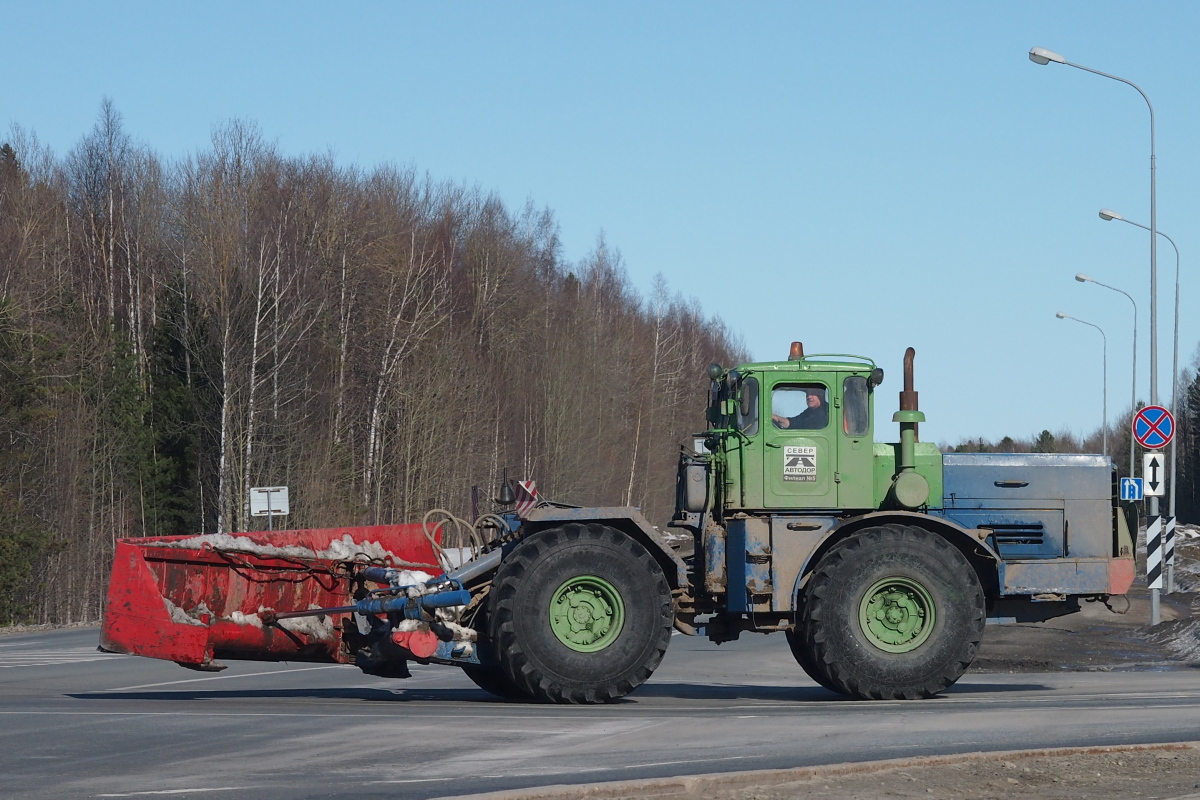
x=262, y=504
x=1154, y=428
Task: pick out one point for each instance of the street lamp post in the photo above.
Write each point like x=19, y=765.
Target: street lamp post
x=1109, y=215
x=1104, y=429
x=1040, y=55
x=1133, y=403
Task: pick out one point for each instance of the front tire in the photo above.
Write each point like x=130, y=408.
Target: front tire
x=893, y=612
x=581, y=614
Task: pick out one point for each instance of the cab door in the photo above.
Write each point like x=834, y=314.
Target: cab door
x=800, y=452
x=855, y=469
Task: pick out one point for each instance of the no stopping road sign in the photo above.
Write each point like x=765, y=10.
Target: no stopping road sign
x=1153, y=427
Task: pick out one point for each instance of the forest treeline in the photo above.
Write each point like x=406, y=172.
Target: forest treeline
x=1187, y=498
x=175, y=333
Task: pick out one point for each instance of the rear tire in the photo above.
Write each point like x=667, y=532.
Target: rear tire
x=893, y=612
x=491, y=677
x=580, y=614
x=494, y=680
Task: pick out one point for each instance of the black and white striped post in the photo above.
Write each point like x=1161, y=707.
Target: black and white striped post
x=1169, y=551
x=1154, y=555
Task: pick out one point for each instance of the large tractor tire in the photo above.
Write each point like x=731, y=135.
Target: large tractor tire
x=494, y=680
x=892, y=612
x=491, y=677
x=580, y=614
x=802, y=651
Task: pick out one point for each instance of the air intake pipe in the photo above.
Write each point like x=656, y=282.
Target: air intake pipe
x=909, y=487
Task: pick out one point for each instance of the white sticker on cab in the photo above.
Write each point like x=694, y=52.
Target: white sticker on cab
x=799, y=463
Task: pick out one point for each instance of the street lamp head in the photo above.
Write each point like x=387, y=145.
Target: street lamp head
x=1081, y=277
x=1108, y=214
x=1061, y=315
x=1040, y=55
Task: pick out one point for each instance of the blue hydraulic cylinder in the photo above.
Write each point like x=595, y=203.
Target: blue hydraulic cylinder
x=412, y=607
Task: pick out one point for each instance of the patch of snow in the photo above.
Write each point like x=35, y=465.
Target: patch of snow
x=180, y=616
x=1187, y=531
x=344, y=549
x=455, y=557
x=408, y=626
x=1182, y=638
x=461, y=633
x=238, y=618
x=413, y=580
x=449, y=614
x=238, y=544
x=317, y=627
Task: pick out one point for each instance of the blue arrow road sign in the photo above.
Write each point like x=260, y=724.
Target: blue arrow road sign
x=1131, y=488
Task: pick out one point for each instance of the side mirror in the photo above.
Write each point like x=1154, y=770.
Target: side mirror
x=748, y=405
x=875, y=378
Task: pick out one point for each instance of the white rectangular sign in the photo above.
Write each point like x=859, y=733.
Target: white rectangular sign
x=800, y=464
x=269, y=501
x=1154, y=474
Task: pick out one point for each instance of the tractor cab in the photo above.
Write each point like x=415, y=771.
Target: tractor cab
x=802, y=432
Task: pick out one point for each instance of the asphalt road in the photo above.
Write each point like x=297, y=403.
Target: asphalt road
x=78, y=723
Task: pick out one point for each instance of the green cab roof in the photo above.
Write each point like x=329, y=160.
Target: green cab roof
x=817, y=362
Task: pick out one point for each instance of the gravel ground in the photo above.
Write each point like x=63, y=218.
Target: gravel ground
x=1098, y=639
x=1162, y=772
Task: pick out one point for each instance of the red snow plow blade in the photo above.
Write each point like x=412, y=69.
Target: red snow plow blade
x=194, y=599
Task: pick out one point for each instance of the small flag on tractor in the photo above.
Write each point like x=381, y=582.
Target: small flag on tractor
x=527, y=497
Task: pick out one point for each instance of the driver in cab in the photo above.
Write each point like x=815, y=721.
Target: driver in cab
x=814, y=417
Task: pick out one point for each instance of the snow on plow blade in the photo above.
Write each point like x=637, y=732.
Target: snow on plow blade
x=194, y=599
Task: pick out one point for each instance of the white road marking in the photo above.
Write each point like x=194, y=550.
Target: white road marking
x=423, y=780
x=221, y=677
x=175, y=791
x=543, y=774
x=693, y=761
x=46, y=658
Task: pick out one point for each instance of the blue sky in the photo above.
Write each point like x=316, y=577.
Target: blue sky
x=862, y=177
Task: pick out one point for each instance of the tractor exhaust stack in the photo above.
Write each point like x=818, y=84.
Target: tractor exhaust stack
x=909, y=487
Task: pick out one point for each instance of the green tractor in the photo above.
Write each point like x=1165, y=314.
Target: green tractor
x=879, y=562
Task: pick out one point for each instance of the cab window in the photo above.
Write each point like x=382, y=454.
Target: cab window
x=800, y=406
x=856, y=419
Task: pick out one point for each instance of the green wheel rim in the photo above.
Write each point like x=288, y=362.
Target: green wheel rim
x=586, y=613
x=897, y=615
